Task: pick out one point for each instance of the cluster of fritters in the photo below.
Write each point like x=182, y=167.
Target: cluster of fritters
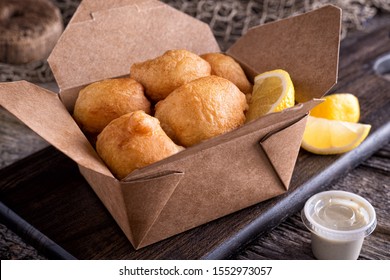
x=168, y=103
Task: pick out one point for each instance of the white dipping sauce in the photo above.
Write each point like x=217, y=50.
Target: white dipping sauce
x=338, y=221
x=327, y=249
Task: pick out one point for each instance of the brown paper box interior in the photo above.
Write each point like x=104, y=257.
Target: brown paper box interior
x=227, y=173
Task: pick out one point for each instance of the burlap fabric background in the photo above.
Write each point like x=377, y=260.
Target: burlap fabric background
x=228, y=20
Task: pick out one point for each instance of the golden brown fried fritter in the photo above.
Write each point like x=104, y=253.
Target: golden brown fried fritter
x=133, y=141
x=226, y=67
x=201, y=109
x=101, y=102
x=162, y=75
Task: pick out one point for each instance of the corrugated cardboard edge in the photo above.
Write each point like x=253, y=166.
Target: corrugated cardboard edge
x=306, y=46
x=117, y=35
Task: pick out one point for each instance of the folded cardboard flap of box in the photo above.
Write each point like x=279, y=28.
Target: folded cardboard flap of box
x=207, y=181
x=115, y=36
x=306, y=46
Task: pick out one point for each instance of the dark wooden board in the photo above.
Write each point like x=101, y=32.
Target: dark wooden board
x=291, y=239
x=47, y=190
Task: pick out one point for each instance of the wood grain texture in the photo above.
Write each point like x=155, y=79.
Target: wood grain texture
x=13, y=247
x=291, y=240
x=16, y=139
x=47, y=190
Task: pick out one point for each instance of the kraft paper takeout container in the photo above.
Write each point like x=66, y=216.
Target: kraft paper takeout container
x=207, y=181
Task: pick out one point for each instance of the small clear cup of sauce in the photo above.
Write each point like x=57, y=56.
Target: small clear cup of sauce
x=339, y=221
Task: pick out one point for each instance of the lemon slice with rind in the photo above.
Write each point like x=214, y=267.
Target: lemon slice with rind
x=273, y=91
x=338, y=106
x=326, y=137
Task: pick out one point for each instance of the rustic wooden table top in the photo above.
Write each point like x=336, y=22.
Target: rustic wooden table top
x=28, y=187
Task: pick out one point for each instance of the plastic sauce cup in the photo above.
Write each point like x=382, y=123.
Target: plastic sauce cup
x=339, y=221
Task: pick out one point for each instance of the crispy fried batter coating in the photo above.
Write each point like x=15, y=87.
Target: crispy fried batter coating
x=201, y=109
x=101, y=102
x=133, y=141
x=162, y=75
x=226, y=67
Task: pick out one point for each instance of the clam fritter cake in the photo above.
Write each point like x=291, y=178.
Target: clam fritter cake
x=201, y=109
x=162, y=75
x=133, y=141
x=101, y=102
x=226, y=67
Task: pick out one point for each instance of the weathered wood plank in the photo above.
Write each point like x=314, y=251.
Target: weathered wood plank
x=16, y=139
x=291, y=240
x=20, y=250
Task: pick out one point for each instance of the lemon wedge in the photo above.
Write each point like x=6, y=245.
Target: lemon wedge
x=273, y=91
x=338, y=106
x=325, y=137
